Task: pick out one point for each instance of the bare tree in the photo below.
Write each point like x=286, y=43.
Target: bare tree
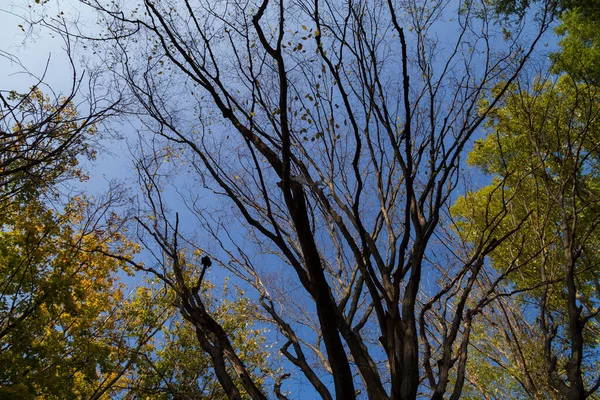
x=336, y=131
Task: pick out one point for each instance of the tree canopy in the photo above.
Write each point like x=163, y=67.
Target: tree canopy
x=541, y=150
x=336, y=200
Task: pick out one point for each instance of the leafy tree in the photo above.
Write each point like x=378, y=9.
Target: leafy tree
x=58, y=301
x=580, y=46
x=542, y=151
x=506, y=356
x=173, y=364
x=58, y=292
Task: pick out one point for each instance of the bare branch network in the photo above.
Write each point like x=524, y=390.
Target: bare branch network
x=333, y=135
